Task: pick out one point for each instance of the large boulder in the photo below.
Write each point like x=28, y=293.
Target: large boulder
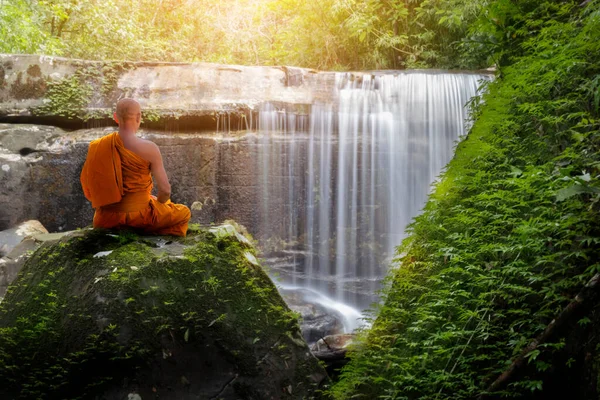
x=101, y=315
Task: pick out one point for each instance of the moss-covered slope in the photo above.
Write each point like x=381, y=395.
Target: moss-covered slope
x=507, y=240
x=99, y=315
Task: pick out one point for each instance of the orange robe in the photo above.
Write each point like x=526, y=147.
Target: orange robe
x=118, y=184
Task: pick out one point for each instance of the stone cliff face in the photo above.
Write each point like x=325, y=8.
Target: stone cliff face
x=40, y=167
x=65, y=92
x=44, y=182
x=101, y=315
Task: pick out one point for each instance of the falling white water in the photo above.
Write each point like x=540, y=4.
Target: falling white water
x=350, y=317
x=340, y=184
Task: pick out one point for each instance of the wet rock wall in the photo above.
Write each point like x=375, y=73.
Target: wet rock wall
x=217, y=175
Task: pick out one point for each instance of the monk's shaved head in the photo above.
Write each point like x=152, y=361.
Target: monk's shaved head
x=127, y=109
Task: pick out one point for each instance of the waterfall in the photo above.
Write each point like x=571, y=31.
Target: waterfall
x=340, y=183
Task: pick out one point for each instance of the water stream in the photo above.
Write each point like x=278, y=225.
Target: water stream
x=340, y=183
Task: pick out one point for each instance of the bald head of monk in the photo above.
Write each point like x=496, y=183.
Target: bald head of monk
x=128, y=114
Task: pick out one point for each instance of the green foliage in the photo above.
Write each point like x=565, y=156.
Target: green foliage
x=327, y=34
x=510, y=234
x=21, y=31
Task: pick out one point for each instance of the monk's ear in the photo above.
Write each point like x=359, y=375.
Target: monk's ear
x=116, y=118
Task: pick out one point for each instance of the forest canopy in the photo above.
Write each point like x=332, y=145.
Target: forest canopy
x=321, y=34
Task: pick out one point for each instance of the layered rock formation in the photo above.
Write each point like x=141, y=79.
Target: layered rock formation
x=195, y=96
x=40, y=167
x=103, y=315
x=201, y=95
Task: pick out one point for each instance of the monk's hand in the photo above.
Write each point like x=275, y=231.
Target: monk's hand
x=153, y=197
x=163, y=197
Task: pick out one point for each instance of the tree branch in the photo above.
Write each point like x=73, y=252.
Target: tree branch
x=584, y=298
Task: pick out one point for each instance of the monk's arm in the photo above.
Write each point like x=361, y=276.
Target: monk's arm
x=160, y=175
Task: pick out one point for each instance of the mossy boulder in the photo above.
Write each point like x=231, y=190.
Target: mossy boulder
x=105, y=315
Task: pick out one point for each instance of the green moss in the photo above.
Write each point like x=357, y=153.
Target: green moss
x=150, y=116
x=72, y=97
x=111, y=73
x=76, y=321
x=68, y=97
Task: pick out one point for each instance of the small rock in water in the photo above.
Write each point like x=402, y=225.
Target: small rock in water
x=333, y=342
x=317, y=320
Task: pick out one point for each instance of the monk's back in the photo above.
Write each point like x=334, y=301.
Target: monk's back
x=139, y=146
x=136, y=170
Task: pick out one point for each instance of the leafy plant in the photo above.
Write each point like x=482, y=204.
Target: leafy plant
x=510, y=235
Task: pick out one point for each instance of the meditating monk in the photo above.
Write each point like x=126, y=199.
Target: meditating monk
x=117, y=179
